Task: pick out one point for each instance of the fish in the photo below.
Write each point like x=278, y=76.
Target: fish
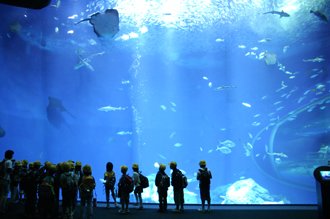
x=41, y=155
x=210, y=151
x=86, y=60
x=246, y=104
x=270, y=114
x=177, y=144
x=283, y=95
x=2, y=132
x=250, y=135
x=219, y=40
x=281, y=13
x=280, y=108
x=129, y=143
x=322, y=107
x=320, y=15
x=15, y=27
x=54, y=112
x=247, y=54
x=264, y=40
x=291, y=77
x=224, y=87
x=288, y=96
x=224, y=150
x=278, y=160
x=105, y=24
x=173, y=104
x=223, y=129
x=278, y=102
x=172, y=134
x=86, y=64
x=257, y=155
x=111, y=108
x=124, y=82
x=256, y=115
x=162, y=156
x=247, y=149
x=241, y=46
x=264, y=97
x=205, y=78
x=201, y=149
x=256, y=123
x=289, y=73
x=228, y=143
x=254, y=48
x=173, y=109
x=80, y=52
x=283, y=84
x=270, y=58
x=124, y=133
x=317, y=59
x=301, y=98
x=278, y=154
x=210, y=84
x=306, y=92
x=112, y=140
x=285, y=49
x=156, y=165
x=163, y=107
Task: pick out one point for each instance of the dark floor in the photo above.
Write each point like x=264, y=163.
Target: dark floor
x=217, y=212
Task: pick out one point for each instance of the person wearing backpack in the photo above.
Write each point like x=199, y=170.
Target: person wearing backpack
x=24, y=170
x=138, y=188
x=6, y=166
x=110, y=180
x=30, y=186
x=177, y=187
x=162, y=182
x=68, y=182
x=125, y=186
x=47, y=193
x=86, y=187
x=204, y=175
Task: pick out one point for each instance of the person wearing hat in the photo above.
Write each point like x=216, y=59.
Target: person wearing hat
x=24, y=170
x=86, y=187
x=177, y=187
x=204, y=175
x=58, y=174
x=68, y=183
x=47, y=193
x=162, y=182
x=15, y=178
x=79, y=173
x=124, y=186
x=30, y=186
x=138, y=188
x=5, y=179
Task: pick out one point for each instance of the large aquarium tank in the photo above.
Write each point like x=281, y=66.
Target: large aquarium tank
x=241, y=84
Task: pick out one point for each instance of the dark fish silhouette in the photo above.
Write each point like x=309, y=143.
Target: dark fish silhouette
x=281, y=13
x=105, y=24
x=2, y=132
x=320, y=15
x=54, y=112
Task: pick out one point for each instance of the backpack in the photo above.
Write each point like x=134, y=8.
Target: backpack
x=205, y=177
x=2, y=168
x=164, y=182
x=46, y=188
x=27, y=180
x=127, y=184
x=183, y=179
x=144, y=181
x=68, y=183
x=87, y=184
x=110, y=182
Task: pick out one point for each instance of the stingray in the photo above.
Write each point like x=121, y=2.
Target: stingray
x=270, y=58
x=54, y=112
x=105, y=24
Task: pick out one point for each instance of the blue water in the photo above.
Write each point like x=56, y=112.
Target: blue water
x=165, y=67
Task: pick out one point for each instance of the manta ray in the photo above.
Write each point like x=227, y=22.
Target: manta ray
x=105, y=24
x=54, y=112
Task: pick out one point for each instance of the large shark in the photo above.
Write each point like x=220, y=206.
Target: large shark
x=281, y=13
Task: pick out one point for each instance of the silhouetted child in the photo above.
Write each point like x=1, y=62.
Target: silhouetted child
x=162, y=182
x=138, y=188
x=204, y=175
x=86, y=187
x=15, y=178
x=125, y=186
x=110, y=180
